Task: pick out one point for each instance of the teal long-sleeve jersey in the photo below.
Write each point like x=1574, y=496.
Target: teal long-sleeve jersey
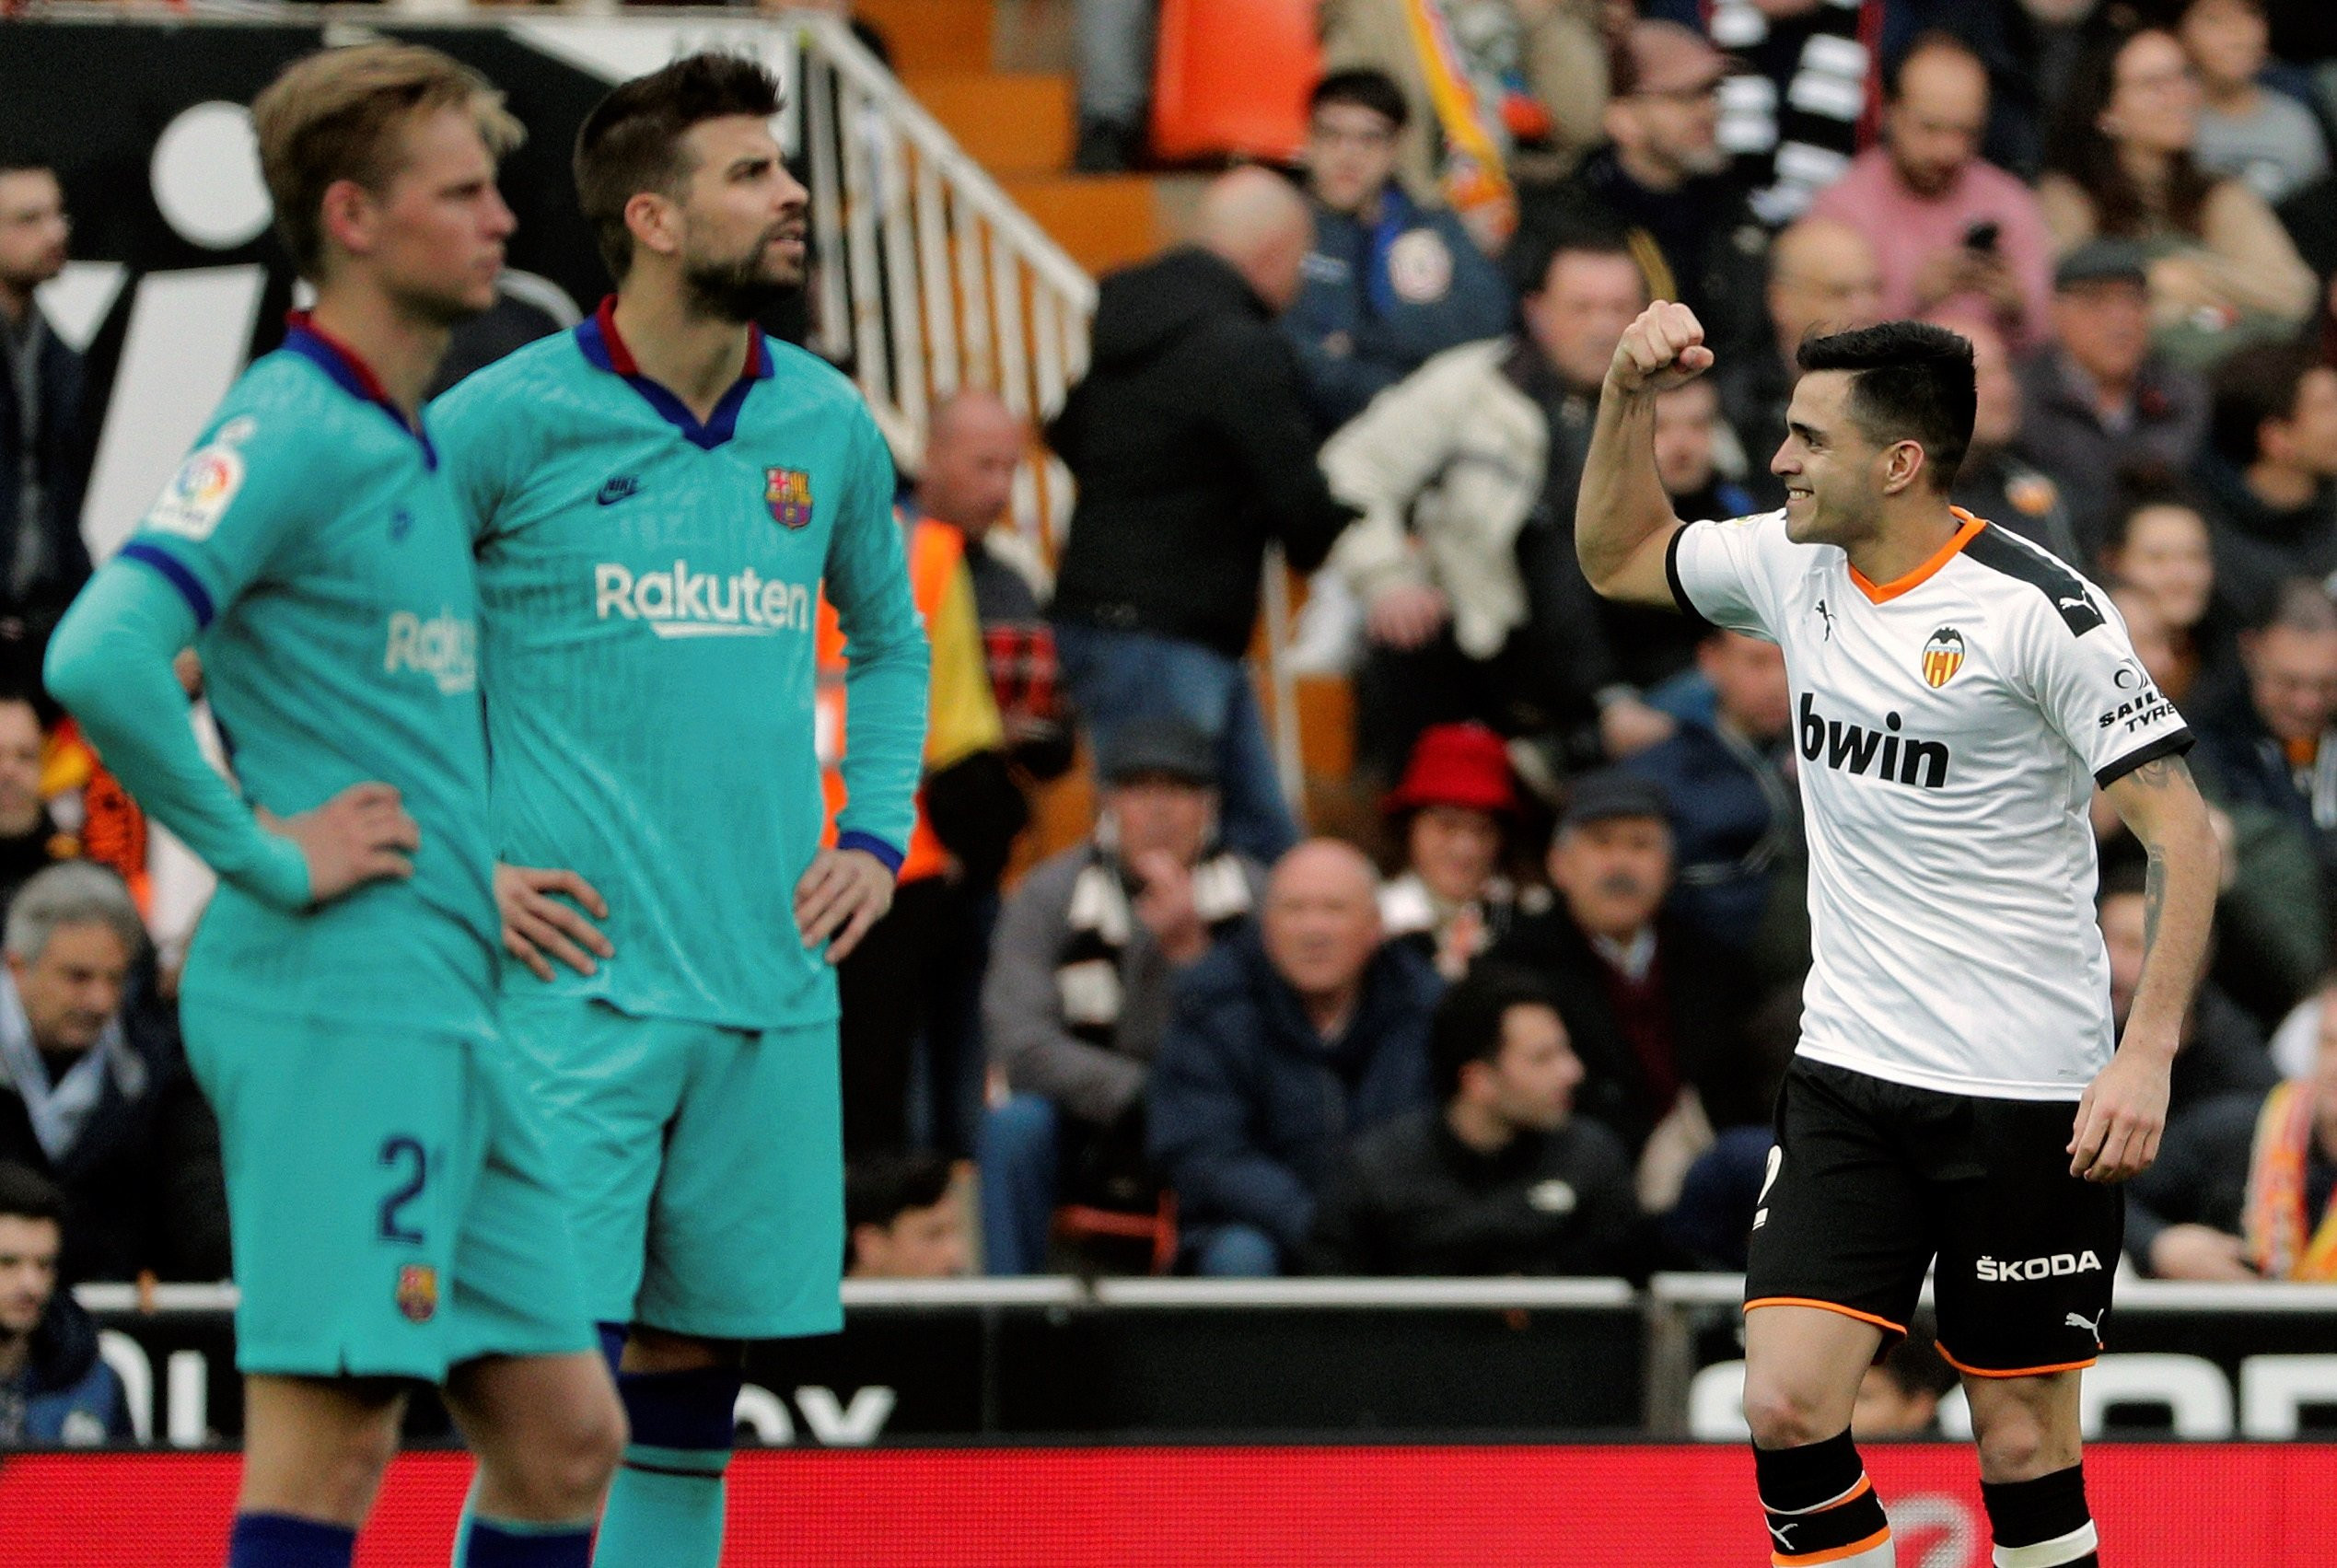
x=648, y=586
x=310, y=550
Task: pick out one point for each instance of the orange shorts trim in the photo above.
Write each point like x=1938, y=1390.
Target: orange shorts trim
x=1834, y=1554
x=1883, y=1323
x=2016, y=1372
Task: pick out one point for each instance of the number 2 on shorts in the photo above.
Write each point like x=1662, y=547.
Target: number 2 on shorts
x=394, y=1152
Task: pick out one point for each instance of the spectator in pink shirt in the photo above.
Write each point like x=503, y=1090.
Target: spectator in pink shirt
x=1950, y=230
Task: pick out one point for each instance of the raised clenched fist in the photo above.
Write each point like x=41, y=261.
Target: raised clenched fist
x=1663, y=349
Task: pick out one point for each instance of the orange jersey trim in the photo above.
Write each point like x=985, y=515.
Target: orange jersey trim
x=2016, y=1372
x=1885, y=593
x=1833, y=1554
x=1827, y=1307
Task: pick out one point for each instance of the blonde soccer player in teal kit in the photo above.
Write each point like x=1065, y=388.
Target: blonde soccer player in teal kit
x=392, y=1196
x=657, y=499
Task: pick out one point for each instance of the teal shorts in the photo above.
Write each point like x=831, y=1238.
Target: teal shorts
x=391, y=1194
x=703, y=1165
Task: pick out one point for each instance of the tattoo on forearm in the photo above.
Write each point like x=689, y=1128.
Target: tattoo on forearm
x=2154, y=897
x=2161, y=771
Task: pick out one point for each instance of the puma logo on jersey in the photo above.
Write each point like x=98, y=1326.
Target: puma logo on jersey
x=444, y=649
x=2005, y=1271
x=1883, y=753
x=683, y=603
x=2091, y=1325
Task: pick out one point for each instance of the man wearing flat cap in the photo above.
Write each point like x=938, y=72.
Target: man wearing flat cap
x=1654, y=1011
x=2096, y=400
x=1076, y=996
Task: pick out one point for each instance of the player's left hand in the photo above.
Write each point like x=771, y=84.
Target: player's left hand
x=843, y=893
x=2121, y=1118
x=536, y=924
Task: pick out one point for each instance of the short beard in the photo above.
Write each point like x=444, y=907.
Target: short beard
x=736, y=291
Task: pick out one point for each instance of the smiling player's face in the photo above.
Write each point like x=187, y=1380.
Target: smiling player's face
x=744, y=219
x=1832, y=472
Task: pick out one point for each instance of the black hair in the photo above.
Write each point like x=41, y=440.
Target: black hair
x=2141, y=488
x=25, y=1194
x=1537, y=246
x=1468, y=1023
x=1910, y=381
x=880, y=1189
x=13, y=161
x=2252, y=386
x=631, y=141
x=1366, y=89
x=2079, y=149
x=1915, y=1362
x=2127, y=876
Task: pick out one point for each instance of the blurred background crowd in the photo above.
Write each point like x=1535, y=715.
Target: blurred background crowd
x=1514, y=997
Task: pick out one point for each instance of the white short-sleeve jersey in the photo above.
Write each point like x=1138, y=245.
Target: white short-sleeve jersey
x=1950, y=728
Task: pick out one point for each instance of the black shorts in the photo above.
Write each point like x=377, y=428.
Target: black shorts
x=1870, y=1181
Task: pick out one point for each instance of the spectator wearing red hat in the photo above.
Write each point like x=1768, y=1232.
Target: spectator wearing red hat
x=1453, y=812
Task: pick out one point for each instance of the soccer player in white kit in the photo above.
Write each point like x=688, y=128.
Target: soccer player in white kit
x=1958, y=695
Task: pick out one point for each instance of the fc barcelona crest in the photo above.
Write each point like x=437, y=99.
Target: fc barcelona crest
x=787, y=492
x=417, y=1292
x=1943, y=656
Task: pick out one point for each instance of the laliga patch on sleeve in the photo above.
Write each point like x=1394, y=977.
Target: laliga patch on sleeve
x=200, y=493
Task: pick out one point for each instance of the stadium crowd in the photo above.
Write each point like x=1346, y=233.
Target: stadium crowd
x=1531, y=1020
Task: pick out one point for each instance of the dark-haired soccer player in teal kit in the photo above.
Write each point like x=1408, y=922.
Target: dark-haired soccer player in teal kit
x=657, y=499
x=392, y=1196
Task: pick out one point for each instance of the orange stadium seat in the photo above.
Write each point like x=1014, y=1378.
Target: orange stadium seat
x=1231, y=79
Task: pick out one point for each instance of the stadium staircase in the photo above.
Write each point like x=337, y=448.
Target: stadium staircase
x=996, y=75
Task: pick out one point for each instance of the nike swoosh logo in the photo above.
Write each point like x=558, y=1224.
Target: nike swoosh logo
x=618, y=489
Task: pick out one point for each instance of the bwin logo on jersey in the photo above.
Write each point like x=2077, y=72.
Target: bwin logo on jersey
x=1884, y=753
x=683, y=603
x=1996, y=1271
x=445, y=647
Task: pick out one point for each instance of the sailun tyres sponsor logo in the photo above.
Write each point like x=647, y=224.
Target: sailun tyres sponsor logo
x=443, y=647
x=681, y=602
x=1885, y=753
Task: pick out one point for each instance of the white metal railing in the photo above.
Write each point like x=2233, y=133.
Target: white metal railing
x=930, y=278
x=933, y=279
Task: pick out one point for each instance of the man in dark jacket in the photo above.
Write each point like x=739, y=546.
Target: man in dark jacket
x=2270, y=474
x=1389, y=282
x=44, y=447
x=54, y=1390
x=1499, y=1177
x=1655, y=1010
x=1194, y=449
x=1284, y=1042
x=1664, y=178
x=1735, y=820
x=95, y=1094
x=30, y=839
x=1994, y=481
x=2095, y=399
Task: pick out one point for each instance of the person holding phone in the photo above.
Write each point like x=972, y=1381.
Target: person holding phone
x=1951, y=231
